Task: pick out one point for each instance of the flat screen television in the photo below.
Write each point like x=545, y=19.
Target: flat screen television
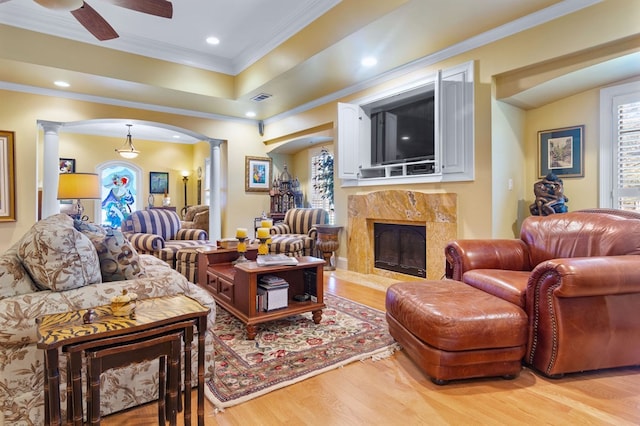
x=402, y=128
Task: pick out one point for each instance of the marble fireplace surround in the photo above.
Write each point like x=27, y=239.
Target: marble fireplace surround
x=437, y=212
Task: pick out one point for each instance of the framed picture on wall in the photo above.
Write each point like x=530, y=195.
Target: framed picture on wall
x=7, y=177
x=560, y=151
x=257, y=174
x=67, y=165
x=158, y=182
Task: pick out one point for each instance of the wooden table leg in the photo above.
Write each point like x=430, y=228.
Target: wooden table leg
x=162, y=397
x=188, y=338
x=202, y=332
x=74, y=400
x=252, y=330
x=317, y=316
x=94, y=368
x=52, y=388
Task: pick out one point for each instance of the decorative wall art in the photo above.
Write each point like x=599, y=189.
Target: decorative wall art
x=560, y=151
x=158, y=182
x=67, y=165
x=257, y=174
x=7, y=177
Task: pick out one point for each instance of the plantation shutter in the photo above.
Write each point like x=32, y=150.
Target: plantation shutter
x=626, y=191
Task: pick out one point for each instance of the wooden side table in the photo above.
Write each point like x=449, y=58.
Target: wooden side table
x=154, y=317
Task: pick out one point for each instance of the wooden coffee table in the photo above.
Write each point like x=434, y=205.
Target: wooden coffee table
x=235, y=287
x=154, y=318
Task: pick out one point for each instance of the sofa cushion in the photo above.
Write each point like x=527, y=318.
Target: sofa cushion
x=14, y=279
x=57, y=256
x=119, y=260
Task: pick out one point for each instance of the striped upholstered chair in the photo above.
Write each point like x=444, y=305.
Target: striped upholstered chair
x=298, y=225
x=158, y=232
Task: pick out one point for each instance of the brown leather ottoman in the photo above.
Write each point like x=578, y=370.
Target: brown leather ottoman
x=454, y=331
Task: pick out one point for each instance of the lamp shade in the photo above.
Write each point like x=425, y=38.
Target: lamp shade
x=80, y=186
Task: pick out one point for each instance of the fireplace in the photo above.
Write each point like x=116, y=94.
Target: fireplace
x=400, y=248
x=436, y=212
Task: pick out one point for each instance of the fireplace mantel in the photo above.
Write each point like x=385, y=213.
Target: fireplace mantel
x=437, y=212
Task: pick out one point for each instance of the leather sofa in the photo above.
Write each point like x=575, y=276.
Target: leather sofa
x=577, y=277
x=56, y=267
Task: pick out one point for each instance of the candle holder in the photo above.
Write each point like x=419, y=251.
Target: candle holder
x=242, y=249
x=263, y=248
x=265, y=238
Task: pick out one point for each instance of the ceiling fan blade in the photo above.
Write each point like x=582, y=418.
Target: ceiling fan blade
x=94, y=23
x=160, y=8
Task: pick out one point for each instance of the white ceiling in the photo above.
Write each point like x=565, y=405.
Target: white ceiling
x=259, y=52
x=247, y=29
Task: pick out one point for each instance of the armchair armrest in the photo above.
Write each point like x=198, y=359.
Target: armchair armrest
x=191, y=234
x=465, y=255
x=145, y=243
x=313, y=233
x=280, y=228
x=586, y=276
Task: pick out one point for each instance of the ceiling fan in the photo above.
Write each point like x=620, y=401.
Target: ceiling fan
x=96, y=24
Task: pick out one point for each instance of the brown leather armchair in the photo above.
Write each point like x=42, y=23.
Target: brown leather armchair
x=576, y=275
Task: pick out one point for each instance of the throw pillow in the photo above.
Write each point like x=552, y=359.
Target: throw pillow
x=119, y=260
x=57, y=256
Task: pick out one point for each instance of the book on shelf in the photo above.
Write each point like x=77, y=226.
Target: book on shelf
x=310, y=283
x=272, y=281
x=275, y=260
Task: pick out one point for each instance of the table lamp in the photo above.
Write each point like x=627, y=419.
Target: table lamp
x=78, y=186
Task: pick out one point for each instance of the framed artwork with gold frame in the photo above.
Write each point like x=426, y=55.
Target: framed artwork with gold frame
x=7, y=177
x=257, y=174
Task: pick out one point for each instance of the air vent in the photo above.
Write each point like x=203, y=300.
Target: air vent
x=261, y=97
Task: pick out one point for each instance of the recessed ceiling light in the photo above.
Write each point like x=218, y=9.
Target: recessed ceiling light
x=213, y=40
x=405, y=138
x=250, y=114
x=176, y=136
x=61, y=83
x=369, y=61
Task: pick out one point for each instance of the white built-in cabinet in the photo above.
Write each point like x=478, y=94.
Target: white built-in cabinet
x=453, y=126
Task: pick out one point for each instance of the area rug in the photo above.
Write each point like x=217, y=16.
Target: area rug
x=290, y=350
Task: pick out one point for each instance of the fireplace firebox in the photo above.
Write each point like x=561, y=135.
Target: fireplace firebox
x=400, y=248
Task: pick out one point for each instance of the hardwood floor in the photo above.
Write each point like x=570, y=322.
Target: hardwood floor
x=393, y=391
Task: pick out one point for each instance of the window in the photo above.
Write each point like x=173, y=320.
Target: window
x=620, y=147
x=321, y=194
x=372, y=132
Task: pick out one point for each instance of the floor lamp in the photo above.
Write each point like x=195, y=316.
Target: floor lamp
x=78, y=186
x=185, y=179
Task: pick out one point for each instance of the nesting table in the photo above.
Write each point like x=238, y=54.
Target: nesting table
x=159, y=328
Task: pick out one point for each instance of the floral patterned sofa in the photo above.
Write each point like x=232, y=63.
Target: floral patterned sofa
x=58, y=267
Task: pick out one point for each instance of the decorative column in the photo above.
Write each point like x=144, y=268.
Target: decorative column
x=50, y=167
x=215, y=221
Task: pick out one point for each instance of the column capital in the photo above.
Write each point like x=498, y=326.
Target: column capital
x=50, y=126
x=215, y=143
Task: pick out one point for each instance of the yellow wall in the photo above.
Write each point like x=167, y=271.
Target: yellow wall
x=506, y=144
x=505, y=136
x=90, y=150
x=20, y=113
